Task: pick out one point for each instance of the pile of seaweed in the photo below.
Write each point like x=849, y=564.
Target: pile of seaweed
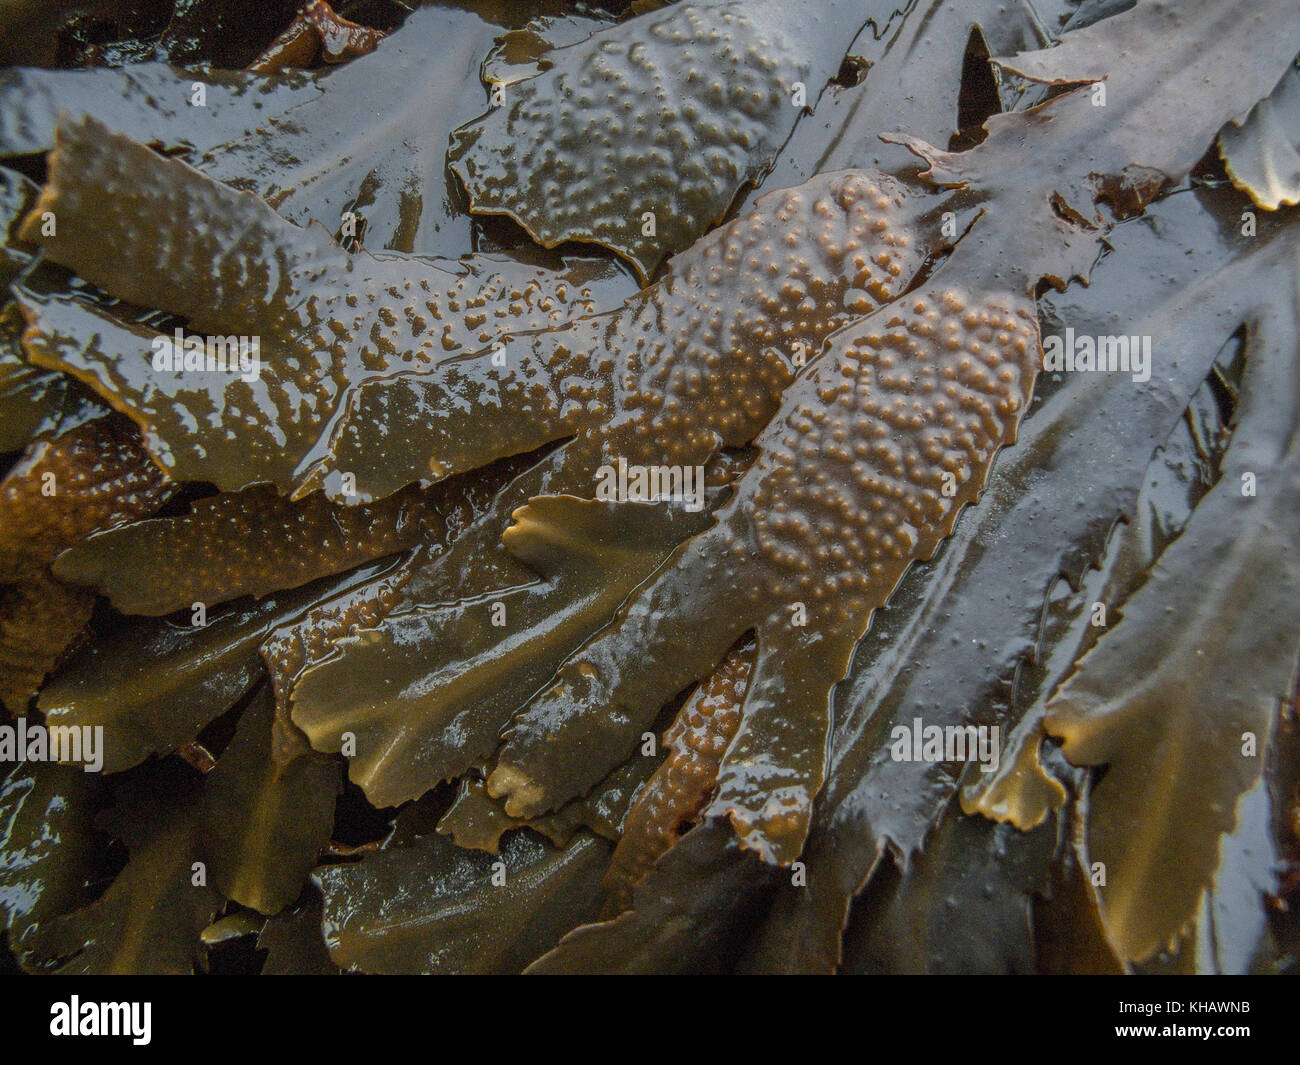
x=542, y=486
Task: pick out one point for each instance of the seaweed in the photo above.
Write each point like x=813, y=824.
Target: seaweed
x=293, y=944
x=477, y=821
x=348, y=364
x=673, y=799
x=728, y=81
x=315, y=160
x=892, y=434
x=47, y=817
x=964, y=906
x=1062, y=243
x=150, y=918
x=262, y=831
x=591, y=555
x=247, y=543
x=1262, y=153
x=690, y=914
x=293, y=137
x=545, y=610
x=912, y=72
x=92, y=478
x=961, y=632
x=316, y=32
x=675, y=388
x=113, y=680
x=39, y=620
x=442, y=912
x=1229, y=576
x=35, y=404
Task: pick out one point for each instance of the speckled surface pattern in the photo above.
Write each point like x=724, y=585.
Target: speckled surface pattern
x=356, y=383
x=288, y=649
x=92, y=478
x=851, y=483
x=452, y=506
x=850, y=488
x=665, y=381
x=675, y=796
x=325, y=321
x=662, y=380
x=708, y=351
x=700, y=359
x=39, y=618
x=246, y=543
x=671, y=113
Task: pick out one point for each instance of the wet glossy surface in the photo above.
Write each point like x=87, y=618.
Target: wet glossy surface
x=500, y=722
x=92, y=478
x=694, y=100
x=338, y=335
